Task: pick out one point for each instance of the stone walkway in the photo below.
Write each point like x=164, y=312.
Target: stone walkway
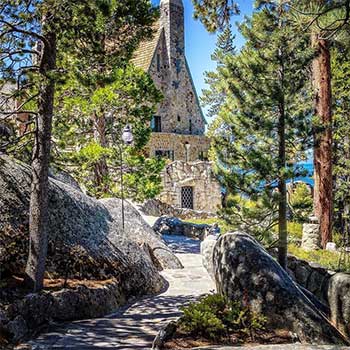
x=279, y=347
x=134, y=327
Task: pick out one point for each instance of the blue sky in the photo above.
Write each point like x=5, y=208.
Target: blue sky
x=200, y=44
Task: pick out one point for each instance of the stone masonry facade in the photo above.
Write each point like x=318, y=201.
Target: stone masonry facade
x=179, y=125
x=197, y=175
x=184, y=147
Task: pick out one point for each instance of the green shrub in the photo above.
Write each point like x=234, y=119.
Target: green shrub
x=325, y=258
x=295, y=229
x=300, y=202
x=214, y=316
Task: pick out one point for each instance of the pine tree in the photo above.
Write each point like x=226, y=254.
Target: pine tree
x=107, y=92
x=215, y=14
x=32, y=35
x=215, y=96
x=128, y=98
x=341, y=160
x=263, y=126
x=103, y=94
x=324, y=20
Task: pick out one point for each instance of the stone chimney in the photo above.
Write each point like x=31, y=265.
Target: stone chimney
x=172, y=20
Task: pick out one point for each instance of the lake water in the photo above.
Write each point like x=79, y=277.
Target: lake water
x=309, y=167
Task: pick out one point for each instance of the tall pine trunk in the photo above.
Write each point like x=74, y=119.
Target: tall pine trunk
x=101, y=167
x=323, y=194
x=282, y=189
x=38, y=212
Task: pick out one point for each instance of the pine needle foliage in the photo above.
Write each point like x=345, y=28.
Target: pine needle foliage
x=263, y=124
x=341, y=108
x=215, y=14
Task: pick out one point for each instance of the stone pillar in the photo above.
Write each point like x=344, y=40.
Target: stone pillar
x=311, y=239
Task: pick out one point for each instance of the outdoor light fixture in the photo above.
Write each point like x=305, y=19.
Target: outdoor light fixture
x=127, y=135
x=127, y=138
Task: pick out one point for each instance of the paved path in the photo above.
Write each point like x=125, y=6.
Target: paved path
x=135, y=327
x=279, y=347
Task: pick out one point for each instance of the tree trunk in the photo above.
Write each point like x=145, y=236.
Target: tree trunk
x=101, y=167
x=38, y=212
x=282, y=189
x=323, y=194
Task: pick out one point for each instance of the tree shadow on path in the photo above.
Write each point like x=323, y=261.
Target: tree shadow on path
x=133, y=327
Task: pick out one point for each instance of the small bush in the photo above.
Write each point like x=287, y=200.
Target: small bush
x=325, y=258
x=300, y=202
x=215, y=316
x=295, y=230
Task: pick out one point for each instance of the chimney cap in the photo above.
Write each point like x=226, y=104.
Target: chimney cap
x=174, y=2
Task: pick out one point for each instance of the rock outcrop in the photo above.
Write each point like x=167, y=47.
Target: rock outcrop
x=207, y=252
x=245, y=271
x=339, y=301
x=167, y=225
x=138, y=231
x=84, y=229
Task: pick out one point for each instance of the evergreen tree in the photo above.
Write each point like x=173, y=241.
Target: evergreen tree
x=128, y=98
x=215, y=14
x=216, y=95
x=263, y=126
x=106, y=94
x=32, y=36
x=341, y=160
x=324, y=21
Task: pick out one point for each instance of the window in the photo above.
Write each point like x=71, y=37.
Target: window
x=203, y=155
x=190, y=128
x=187, y=197
x=168, y=154
x=178, y=118
x=156, y=124
x=158, y=62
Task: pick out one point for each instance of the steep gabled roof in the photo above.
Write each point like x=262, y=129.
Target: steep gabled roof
x=143, y=56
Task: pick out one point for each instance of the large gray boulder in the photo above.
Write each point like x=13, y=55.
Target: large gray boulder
x=339, y=301
x=138, y=230
x=89, y=230
x=207, y=252
x=245, y=271
x=168, y=225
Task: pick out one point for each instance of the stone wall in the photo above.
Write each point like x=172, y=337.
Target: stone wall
x=311, y=276
x=26, y=316
x=330, y=287
x=199, y=175
x=155, y=207
x=199, y=146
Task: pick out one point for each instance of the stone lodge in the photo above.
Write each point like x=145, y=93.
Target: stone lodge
x=179, y=125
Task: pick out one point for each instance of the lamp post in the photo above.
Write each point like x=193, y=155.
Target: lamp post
x=127, y=138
